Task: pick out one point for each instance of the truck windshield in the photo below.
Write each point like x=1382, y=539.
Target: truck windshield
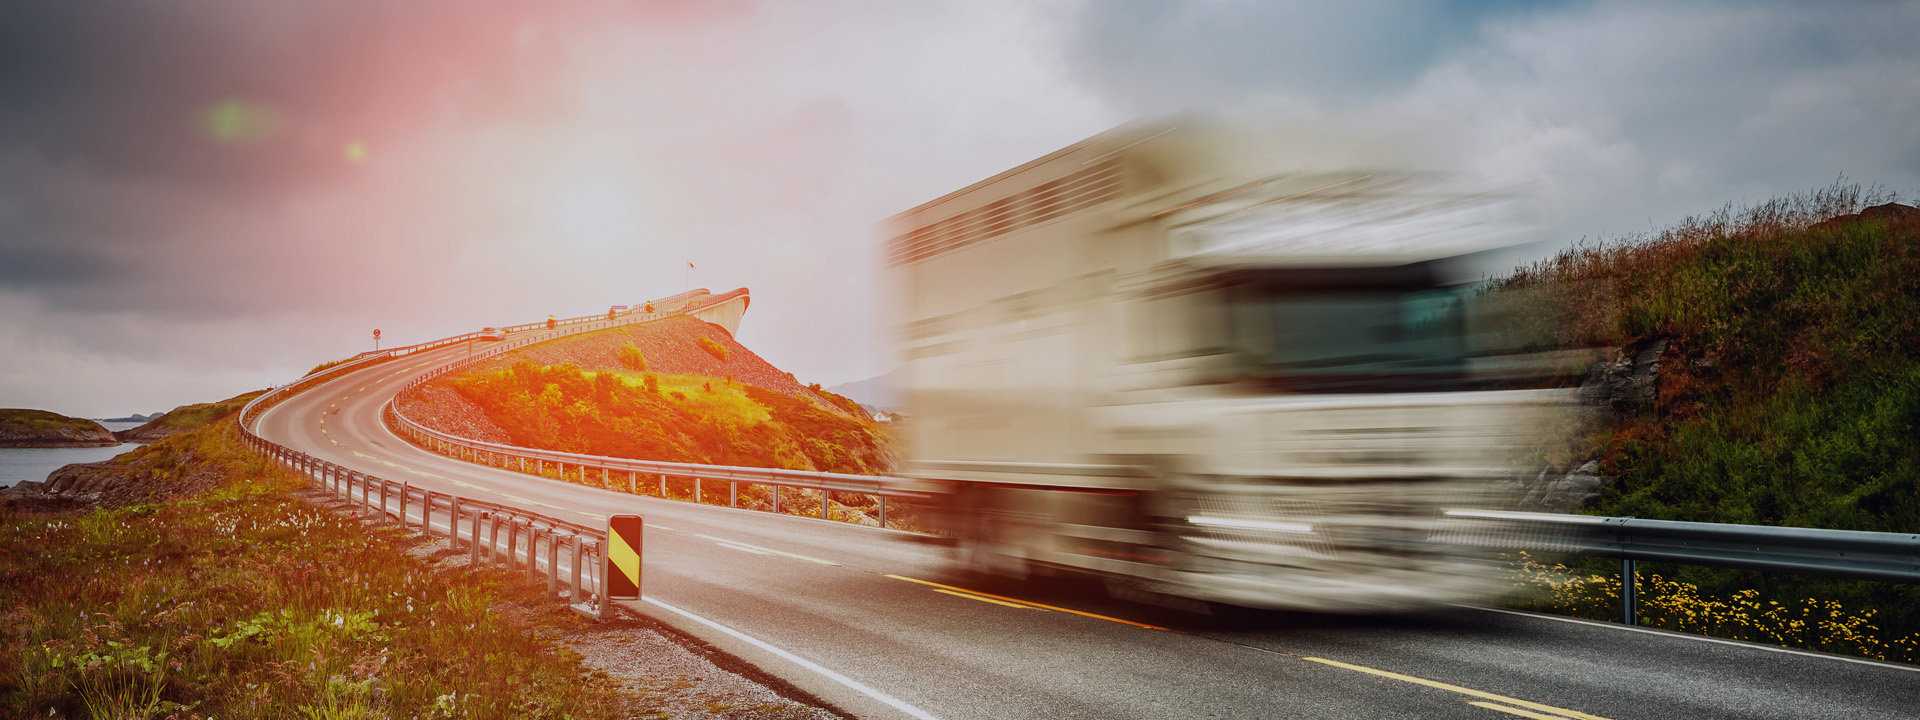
x=1334, y=339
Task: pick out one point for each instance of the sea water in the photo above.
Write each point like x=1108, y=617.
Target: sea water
x=17, y=464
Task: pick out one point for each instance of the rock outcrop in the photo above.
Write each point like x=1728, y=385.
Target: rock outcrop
x=149, y=474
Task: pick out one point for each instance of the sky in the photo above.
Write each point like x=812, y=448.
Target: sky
x=204, y=197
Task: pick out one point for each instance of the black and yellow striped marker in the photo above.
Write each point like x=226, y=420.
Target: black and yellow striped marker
x=623, y=557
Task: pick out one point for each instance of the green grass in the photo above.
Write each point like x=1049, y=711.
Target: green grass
x=43, y=420
x=188, y=417
x=246, y=602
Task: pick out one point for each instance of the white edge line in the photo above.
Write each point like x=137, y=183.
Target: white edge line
x=802, y=662
x=1701, y=638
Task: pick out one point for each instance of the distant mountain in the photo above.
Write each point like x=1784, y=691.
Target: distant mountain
x=879, y=391
x=136, y=417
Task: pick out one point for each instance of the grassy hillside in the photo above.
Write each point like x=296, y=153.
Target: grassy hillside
x=188, y=417
x=242, y=601
x=1789, y=390
x=678, y=418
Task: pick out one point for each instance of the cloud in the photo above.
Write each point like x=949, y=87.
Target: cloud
x=214, y=191
x=1626, y=112
x=249, y=189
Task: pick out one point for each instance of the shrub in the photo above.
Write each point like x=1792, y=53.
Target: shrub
x=631, y=357
x=713, y=348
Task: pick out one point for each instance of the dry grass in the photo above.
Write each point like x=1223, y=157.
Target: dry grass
x=245, y=602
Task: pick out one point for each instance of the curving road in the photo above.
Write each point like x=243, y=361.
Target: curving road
x=880, y=624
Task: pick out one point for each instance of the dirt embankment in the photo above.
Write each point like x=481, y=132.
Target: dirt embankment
x=671, y=345
x=41, y=429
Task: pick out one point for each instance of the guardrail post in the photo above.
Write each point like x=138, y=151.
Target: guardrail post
x=473, y=541
x=733, y=493
x=633, y=483
x=663, y=485
x=698, y=485
x=533, y=552
x=383, y=499
x=513, y=541
x=883, y=510
x=405, y=487
x=1629, y=592
x=426, y=514
x=823, y=504
x=553, y=565
x=776, y=499
x=493, y=535
x=577, y=597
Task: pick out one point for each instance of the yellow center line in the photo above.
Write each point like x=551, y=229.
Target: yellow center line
x=1456, y=688
x=769, y=550
x=1515, y=711
x=1029, y=602
x=971, y=596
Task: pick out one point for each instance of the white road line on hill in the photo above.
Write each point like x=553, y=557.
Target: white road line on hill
x=1700, y=638
x=856, y=685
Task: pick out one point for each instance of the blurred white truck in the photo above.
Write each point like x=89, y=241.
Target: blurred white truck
x=1162, y=358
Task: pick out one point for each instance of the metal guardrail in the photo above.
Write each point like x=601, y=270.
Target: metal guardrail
x=532, y=540
x=1851, y=554
x=485, y=519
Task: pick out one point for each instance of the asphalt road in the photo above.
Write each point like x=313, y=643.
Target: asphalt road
x=880, y=624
